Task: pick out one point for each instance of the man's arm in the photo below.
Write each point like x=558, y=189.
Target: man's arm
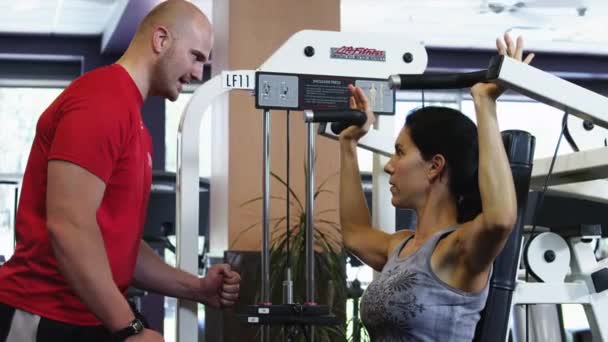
x=220, y=288
x=153, y=274
x=73, y=197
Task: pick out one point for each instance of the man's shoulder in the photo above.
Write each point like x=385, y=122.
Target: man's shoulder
x=107, y=72
x=98, y=89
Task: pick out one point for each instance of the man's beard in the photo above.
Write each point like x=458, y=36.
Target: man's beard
x=162, y=83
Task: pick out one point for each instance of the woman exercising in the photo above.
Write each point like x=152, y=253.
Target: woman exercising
x=456, y=176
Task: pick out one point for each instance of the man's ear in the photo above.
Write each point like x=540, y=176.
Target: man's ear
x=160, y=39
x=437, y=166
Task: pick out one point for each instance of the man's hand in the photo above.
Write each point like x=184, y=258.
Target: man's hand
x=146, y=336
x=220, y=288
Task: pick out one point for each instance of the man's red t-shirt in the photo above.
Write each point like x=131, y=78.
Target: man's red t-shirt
x=96, y=124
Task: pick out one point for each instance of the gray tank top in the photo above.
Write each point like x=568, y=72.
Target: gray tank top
x=408, y=302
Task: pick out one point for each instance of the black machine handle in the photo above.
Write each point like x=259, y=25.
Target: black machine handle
x=354, y=117
x=357, y=118
x=340, y=120
x=437, y=81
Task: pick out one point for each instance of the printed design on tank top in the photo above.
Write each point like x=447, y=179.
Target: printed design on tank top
x=391, y=302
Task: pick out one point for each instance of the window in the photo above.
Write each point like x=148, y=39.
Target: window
x=20, y=109
x=542, y=121
x=173, y=113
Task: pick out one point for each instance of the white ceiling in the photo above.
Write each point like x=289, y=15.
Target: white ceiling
x=548, y=25
x=80, y=17
x=65, y=17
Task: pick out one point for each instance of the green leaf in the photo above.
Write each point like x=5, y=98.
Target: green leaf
x=327, y=180
x=325, y=211
x=275, y=176
x=318, y=192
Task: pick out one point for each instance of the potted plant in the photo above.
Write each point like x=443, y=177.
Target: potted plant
x=330, y=260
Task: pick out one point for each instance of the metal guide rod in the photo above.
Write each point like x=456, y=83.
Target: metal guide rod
x=288, y=283
x=310, y=239
x=265, y=333
x=266, y=210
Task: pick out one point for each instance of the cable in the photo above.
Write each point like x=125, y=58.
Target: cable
x=422, y=90
x=539, y=201
x=567, y=135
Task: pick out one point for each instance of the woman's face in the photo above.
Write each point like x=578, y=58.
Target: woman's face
x=409, y=173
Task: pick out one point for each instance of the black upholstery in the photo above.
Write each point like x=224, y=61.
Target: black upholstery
x=493, y=324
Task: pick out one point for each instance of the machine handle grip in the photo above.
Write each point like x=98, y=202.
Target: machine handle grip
x=338, y=127
x=354, y=117
x=437, y=81
x=340, y=119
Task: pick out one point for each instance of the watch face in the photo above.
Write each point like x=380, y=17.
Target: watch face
x=137, y=326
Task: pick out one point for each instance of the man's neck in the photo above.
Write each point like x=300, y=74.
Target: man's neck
x=138, y=72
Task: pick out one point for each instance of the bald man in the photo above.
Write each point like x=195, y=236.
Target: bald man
x=85, y=192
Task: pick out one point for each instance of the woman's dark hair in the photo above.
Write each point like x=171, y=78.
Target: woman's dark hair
x=446, y=131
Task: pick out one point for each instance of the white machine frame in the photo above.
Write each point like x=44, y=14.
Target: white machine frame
x=288, y=55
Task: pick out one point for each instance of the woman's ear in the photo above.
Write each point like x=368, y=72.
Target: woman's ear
x=437, y=166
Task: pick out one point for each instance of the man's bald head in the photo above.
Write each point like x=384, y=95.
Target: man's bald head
x=170, y=48
x=176, y=15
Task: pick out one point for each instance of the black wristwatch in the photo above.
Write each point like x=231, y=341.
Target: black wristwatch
x=134, y=328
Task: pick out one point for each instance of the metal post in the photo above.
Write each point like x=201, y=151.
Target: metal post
x=288, y=283
x=266, y=220
x=288, y=288
x=310, y=237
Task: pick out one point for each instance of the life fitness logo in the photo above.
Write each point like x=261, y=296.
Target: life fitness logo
x=358, y=53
